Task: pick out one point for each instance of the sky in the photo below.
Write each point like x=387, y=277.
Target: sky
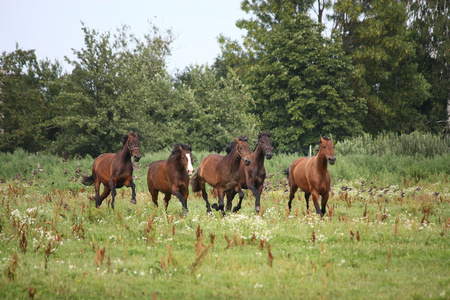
x=53, y=27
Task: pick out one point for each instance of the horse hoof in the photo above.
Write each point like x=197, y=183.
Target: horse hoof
x=257, y=208
x=215, y=206
x=236, y=209
x=133, y=201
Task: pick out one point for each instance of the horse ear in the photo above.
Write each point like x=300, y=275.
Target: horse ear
x=181, y=148
x=136, y=134
x=236, y=139
x=129, y=134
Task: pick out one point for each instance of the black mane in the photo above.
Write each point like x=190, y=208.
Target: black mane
x=125, y=138
x=176, y=148
x=231, y=146
x=260, y=135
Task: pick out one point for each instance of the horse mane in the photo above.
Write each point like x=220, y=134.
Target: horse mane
x=320, y=141
x=176, y=148
x=231, y=146
x=267, y=133
x=125, y=138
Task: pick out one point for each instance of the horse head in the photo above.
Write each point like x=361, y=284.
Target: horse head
x=327, y=149
x=185, y=156
x=132, y=143
x=265, y=143
x=243, y=150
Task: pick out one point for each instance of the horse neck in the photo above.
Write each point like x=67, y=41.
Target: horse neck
x=257, y=156
x=125, y=154
x=175, y=161
x=321, y=162
x=232, y=160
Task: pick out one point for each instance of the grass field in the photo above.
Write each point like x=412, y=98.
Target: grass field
x=386, y=235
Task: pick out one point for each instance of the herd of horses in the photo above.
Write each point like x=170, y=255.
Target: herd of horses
x=228, y=174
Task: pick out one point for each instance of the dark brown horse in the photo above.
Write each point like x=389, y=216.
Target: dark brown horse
x=252, y=177
x=115, y=170
x=221, y=172
x=171, y=176
x=311, y=175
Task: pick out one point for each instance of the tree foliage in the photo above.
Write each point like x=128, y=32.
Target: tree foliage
x=376, y=38
x=297, y=76
x=25, y=100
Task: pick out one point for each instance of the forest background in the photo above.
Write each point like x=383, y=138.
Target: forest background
x=383, y=67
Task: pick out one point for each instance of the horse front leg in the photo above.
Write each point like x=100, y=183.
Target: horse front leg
x=133, y=192
x=241, y=197
x=230, y=196
x=315, y=196
x=324, y=202
x=221, y=206
x=112, y=186
x=257, y=195
x=183, y=201
x=99, y=198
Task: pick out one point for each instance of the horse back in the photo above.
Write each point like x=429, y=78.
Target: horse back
x=297, y=173
x=157, y=176
x=102, y=167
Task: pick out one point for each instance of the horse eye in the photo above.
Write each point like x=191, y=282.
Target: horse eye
x=324, y=147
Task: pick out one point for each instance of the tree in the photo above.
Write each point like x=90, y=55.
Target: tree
x=25, y=100
x=430, y=30
x=298, y=78
x=102, y=97
x=213, y=109
x=376, y=38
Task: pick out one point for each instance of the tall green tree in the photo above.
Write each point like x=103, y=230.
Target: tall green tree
x=102, y=97
x=298, y=77
x=375, y=36
x=26, y=96
x=213, y=109
x=429, y=22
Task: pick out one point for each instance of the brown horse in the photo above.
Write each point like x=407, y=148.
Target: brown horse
x=115, y=170
x=221, y=172
x=171, y=176
x=253, y=176
x=311, y=175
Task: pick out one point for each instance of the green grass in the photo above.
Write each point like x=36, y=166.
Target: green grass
x=385, y=235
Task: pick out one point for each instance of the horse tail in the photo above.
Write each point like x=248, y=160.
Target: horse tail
x=196, y=183
x=87, y=180
x=286, y=172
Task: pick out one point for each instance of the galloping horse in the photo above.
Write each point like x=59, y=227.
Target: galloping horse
x=221, y=172
x=171, y=176
x=115, y=170
x=253, y=176
x=311, y=175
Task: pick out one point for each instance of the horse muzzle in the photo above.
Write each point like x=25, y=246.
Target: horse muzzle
x=247, y=161
x=137, y=158
x=269, y=155
x=332, y=160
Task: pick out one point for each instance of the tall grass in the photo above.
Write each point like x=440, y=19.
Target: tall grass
x=414, y=144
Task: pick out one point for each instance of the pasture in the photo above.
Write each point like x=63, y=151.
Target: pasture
x=386, y=234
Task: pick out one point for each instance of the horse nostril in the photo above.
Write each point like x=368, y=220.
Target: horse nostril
x=332, y=161
x=247, y=162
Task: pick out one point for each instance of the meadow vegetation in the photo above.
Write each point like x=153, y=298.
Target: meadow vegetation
x=385, y=234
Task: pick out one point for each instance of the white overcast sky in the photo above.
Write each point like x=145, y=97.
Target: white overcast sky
x=53, y=27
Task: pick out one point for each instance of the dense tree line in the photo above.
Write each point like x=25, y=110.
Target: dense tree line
x=383, y=66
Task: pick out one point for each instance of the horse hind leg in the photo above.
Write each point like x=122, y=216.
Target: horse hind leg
x=166, y=200
x=99, y=199
x=291, y=196
x=307, y=195
x=133, y=192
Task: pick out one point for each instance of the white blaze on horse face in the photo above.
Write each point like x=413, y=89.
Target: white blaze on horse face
x=190, y=169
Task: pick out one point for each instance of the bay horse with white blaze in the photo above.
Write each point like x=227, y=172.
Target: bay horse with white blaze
x=311, y=175
x=115, y=170
x=171, y=176
x=252, y=177
x=221, y=172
